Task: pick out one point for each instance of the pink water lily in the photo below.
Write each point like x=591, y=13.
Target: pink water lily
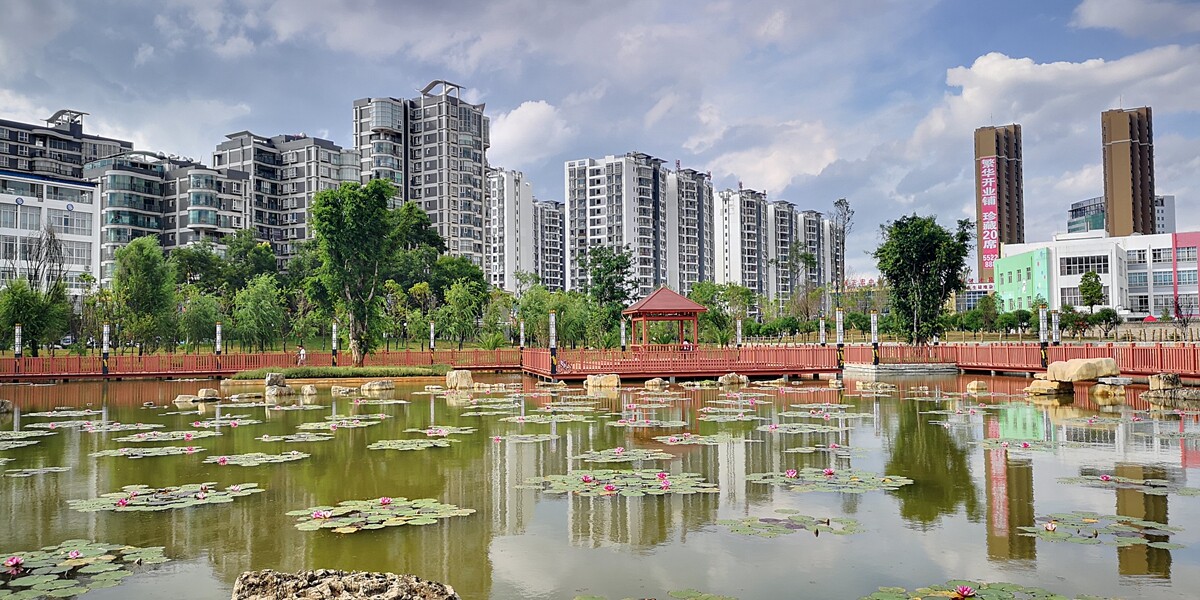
x=672, y=440
x=384, y=501
x=496, y=439
x=1025, y=444
x=195, y=423
x=1136, y=418
x=971, y=412
x=233, y=423
x=201, y=495
x=661, y=475
x=53, y=425
x=772, y=427
x=122, y=502
x=224, y=460
x=826, y=417
x=1051, y=526
x=235, y=488
x=1003, y=444
x=630, y=407
x=828, y=472
x=356, y=422
x=588, y=479
x=834, y=445
x=14, y=561
x=965, y=591
x=665, y=485
x=74, y=554
x=687, y=435
x=333, y=426
x=190, y=450
x=647, y=421
x=321, y=514
x=619, y=449
x=187, y=436
x=610, y=488
x=1106, y=477
x=520, y=419
x=791, y=473
x=958, y=411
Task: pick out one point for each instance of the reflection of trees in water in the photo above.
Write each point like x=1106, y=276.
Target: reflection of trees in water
x=937, y=464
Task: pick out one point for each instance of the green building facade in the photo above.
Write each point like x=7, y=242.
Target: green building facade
x=1022, y=279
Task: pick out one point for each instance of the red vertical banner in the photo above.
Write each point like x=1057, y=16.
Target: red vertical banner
x=989, y=238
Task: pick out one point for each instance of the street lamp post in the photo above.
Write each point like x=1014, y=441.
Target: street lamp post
x=1042, y=333
x=553, y=345
x=334, y=344
x=874, y=337
x=216, y=344
x=17, y=346
x=840, y=326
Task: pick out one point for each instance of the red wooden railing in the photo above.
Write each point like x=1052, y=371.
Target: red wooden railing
x=699, y=362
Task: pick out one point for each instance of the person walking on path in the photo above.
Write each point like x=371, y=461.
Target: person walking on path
x=301, y=355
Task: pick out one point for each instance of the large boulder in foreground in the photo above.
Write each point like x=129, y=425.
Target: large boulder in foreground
x=1082, y=369
x=609, y=381
x=459, y=379
x=337, y=585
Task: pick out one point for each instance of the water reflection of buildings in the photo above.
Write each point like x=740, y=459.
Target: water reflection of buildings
x=1010, y=484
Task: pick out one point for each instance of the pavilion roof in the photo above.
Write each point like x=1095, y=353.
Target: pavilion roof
x=664, y=301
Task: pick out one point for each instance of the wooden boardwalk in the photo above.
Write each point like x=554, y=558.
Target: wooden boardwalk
x=666, y=362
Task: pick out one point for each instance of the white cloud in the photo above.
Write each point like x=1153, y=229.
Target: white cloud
x=234, y=47
x=528, y=135
x=144, y=53
x=30, y=25
x=660, y=109
x=712, y=129
x=787, y=152
x=1139, y=18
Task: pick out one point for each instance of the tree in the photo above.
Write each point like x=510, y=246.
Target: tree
x=199, y=265
x=1007, y=322
x=357, y=244
x=258, y=311
x=1106, y=319
x=201, y=311
x=247, y=258
x=610, y=276
x=43, y=316
x=1091, y=291
x=144, y=292
x=987, y=312
x=448, y=270
x=924, y=263
x=1024, y=319
x=459, y=315
x=1183, y=308
x=843, y=223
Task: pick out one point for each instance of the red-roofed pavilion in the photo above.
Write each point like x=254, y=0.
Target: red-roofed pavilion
x=664, y=305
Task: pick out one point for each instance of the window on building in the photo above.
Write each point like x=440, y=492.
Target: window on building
x=1139, y=303
x=1187, y=277
x=1186, y=254
x=1137, y=279
x=1071, y=296
x=29, y=218
x=1028, y=273
x=1076, y=265
x=1163, y=278
x=1161, y=255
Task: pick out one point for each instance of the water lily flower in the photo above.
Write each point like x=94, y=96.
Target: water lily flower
x=772, y=427
x=520, y=419
x=630, y=406
x=14, y=561
x=619, y=449
x=122, y=502
x=53, y=425
x=1136, y=418
x=665, y=485
x=834, y=446
x=964, y=591
x=827, y=472
x=190, y=450
x=661, y=475
x=142, y=436
x=384, y=501
x=1003, y=444
x=687, y=435
x=496, y=439
x=1106, y=477
x=1025, y=444
x=201, y=495
x=74, y=554
x=1050, y=526
x=672, y=440
x=321, y=514
x=588, y=479
x=971, y=412
x=235, y=488
x=791, y=473
x=826, y=417
x=333, y=426
x=647, y=421
x=233, y=423
x=356, y=422
x=619, y=421
x=958, y=411
x=610, y=488
x=224, y=460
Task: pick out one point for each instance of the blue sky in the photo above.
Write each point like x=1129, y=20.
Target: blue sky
x=872, y=100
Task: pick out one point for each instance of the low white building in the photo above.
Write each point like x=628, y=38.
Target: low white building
x=29, y=202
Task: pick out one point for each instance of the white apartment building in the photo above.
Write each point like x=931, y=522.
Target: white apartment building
x=689, y=228
x=549, y=245
x=1142, y=275
x=509, y=228
x=618, y=202
x=433, y=148
x=284, y=173
x=740, y=243
x=29, y=202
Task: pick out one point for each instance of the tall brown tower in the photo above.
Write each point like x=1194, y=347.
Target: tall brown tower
x=999, y=193
x=1128, y=170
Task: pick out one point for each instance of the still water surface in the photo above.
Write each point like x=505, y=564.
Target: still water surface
x=959, y=519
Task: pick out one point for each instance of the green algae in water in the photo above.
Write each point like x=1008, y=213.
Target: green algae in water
x=133, y=498
x=829, y=480
x=411, y=445
x=73, y=567
x=352, y=516
x=629, y=484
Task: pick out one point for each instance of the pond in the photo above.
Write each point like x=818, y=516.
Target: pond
x=798, y=491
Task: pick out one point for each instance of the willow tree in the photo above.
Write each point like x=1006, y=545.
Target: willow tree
x=356, y=244
x=924, y=263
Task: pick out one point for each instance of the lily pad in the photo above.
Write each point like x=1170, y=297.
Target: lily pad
x=148, y=452
x=167, y=436
x=829, y=480
x=795, y=428
x=1017, y=445
x=22, y=435
x=730, y=418
x=63, y=414
x=295, y=407
x=442, y=430
x=828, y=416
x=526, y=438
x=362, y=417
x=643, y=423
x=605, y=482
x=417, y=444
x=14, y=444
x=94, y=427
x=296, y=437
x=377, y=401
x=350, y=423
x=352, y=516
x=1154, y=487
x=232, y=421
x=548, y=418
x=821, y=406
x=1091, y=528
x=145, y=498
x=35, y=471
x=566, y=408
x=962, y=589
x=74, y=567
x=687, y=439
x=255, y=459
x=485, y=413
x=770, y=527
x=621, y=454
x=836, y=450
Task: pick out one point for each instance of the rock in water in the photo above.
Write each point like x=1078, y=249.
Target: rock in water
x=375, y=386
x=733, y=379
x=5, y=406
x=274, y=379
x=209, y=393
x=1165, y=381
x=1082, y=369
x=337, y=585
x=1041, y=387
x=341, y=390
x=609, y=381
x=308, y=390
x=657, y=383
x=977, y=387
x=459, y=379
x=279, y=390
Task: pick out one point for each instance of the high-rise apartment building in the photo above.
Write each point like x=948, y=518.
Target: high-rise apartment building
x=284, y=173
x=1089, y=215
x=784, y=244
x=509, y=228
x=741, y=253
x=177, y=200
x=28, y=204
x=434, y=148
x=618, y=202
x=999, y=193
x=548, y=242
x=59, y=148
x=1128, y=138
x=689, y=208
x=1164, y=214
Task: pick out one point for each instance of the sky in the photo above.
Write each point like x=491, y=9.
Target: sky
x=811, y=100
